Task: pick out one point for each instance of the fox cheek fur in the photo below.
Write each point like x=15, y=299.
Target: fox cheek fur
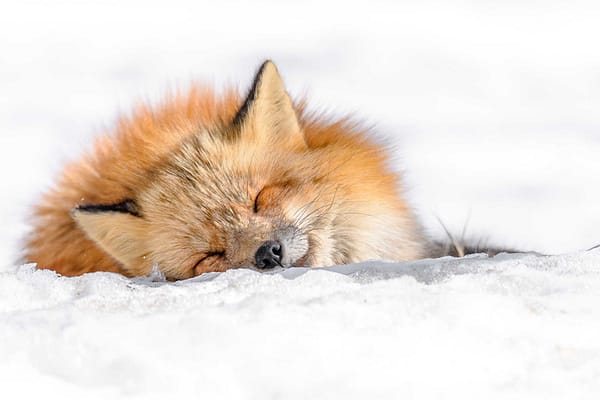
x=200, y=186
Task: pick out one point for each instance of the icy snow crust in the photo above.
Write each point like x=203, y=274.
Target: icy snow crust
x=516, y=326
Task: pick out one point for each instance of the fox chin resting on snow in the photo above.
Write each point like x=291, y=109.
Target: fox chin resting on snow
x=205, y=183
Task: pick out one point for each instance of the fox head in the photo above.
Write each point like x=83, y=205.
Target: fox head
x=257, y=192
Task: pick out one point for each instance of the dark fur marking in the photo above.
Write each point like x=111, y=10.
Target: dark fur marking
x=243, y=111
x=127, y=207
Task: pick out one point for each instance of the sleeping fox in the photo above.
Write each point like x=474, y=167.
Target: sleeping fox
x=208, y=183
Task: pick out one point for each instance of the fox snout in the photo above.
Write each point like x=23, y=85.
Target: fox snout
x=269, y=255
x=285, y=248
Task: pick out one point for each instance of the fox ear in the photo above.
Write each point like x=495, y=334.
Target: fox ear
x=117, y=229
x=267, y=112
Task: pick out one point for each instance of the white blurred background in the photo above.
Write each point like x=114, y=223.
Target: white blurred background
x=493, y=107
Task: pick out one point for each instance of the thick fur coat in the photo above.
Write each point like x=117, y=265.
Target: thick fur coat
x=207, y=183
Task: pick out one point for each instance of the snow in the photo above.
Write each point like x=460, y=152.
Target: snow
x=493, y=110
x=522, y=326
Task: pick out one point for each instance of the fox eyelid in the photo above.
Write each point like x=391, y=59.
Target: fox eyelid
x=255, y=207
x=208, y=255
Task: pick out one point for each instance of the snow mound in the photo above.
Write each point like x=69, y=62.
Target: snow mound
x=515, y=326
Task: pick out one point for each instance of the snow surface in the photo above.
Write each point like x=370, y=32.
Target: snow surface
x=513, y=327
x=493, y=109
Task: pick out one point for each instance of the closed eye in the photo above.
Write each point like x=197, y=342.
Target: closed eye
x=208, y=256
x=271, y=194
x=255, y=207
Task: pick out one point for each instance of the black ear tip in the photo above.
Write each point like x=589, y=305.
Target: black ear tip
x=267, y=72
x=266, y=63
x=127, y=207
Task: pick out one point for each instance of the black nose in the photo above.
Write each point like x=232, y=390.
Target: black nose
x=269, y=254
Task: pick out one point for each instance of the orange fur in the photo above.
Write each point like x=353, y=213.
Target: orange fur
x=328, y=163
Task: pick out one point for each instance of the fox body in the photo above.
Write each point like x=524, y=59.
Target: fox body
x=207, y=183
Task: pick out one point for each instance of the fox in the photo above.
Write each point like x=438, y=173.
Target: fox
x=206, y=182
